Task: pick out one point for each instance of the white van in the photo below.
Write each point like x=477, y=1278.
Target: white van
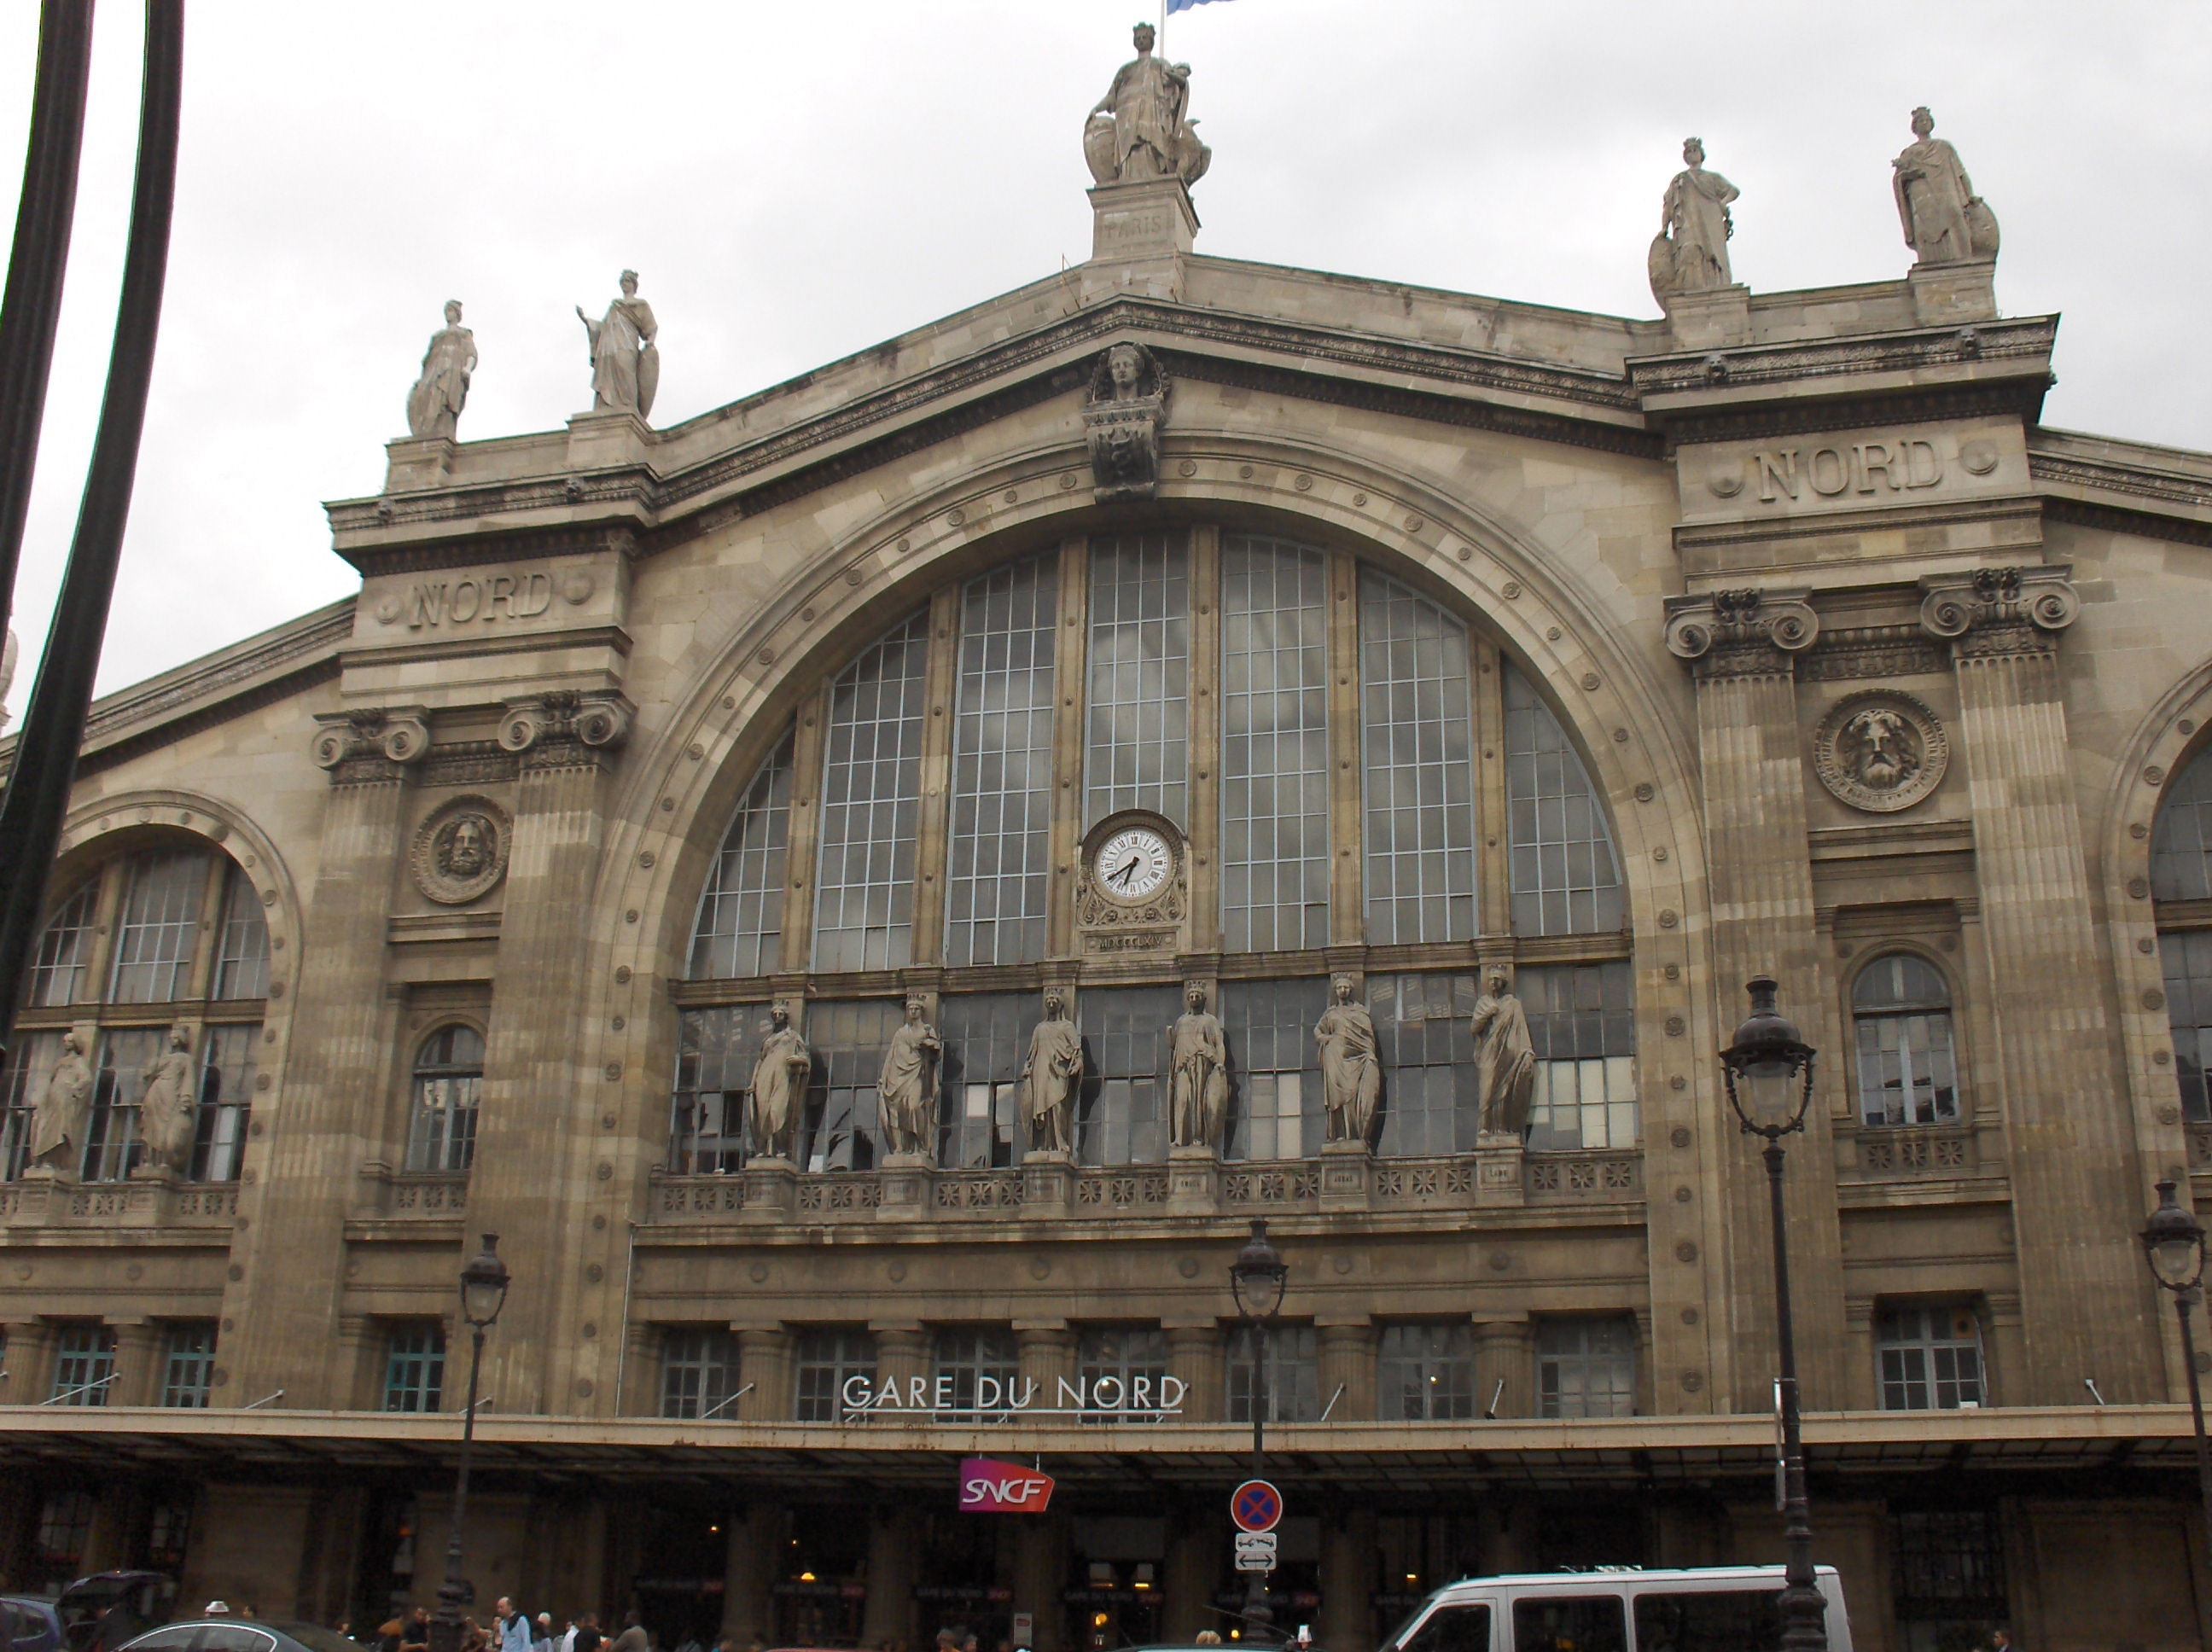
x=1711, y=1609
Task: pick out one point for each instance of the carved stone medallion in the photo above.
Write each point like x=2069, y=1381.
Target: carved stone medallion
x=1881, y=750
x=460, y=850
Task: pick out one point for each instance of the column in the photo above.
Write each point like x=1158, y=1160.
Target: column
x=29, y=1362
x=1347, y=1578
x=1194, y=1356
x=1041, y=1549
x=1196, y=1561
x=1742, y=649
x=1205, y=822
x=539, y=1105
x=765, y=1360
x=903, y=1354
x=1070, y=683
x=941, y=688
x=753, y=1542
x=1347, y=1362
x=2085, y=1298
x=2004, y=1351
x=1505, y=1351
x=284, y=1279
x=138, y=1348
x=894, y=1554
x=1048, y=1355
x=1860, y=1389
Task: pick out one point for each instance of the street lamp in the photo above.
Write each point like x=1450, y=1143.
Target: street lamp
x=1768, y=1071
x=2173, y=1245
x=483, y=1293
x=1257, y=1280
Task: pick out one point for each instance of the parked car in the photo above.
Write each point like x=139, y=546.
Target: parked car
x=32, y=1624
x=100, y=1612
x=1710, y=1609
x=223, y=1634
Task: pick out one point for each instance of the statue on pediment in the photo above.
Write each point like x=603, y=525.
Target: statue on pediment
x=1122, y=413
x=65, y=1111
x=625, y=364
x=905, y=1090
x=778, y=1088
x=434, y=406
x=1139, y=130
x=1351, y=1065
x=1504, y=1058
x=164, y=1105
x=1199, y=1056
x=1945, y=221
x=1049, y=1078
x=1689, y=253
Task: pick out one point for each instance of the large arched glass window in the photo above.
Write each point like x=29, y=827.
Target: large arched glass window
x=1908, y=1063
x=1350, y=763
x=2181, y=884
x=168, y=940
x=448, y=1082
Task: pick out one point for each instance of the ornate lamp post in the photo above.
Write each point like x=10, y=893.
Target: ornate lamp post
x=1257, y=1280
x=1768, y=1071
x=2174, y=1244
x=483, y=1293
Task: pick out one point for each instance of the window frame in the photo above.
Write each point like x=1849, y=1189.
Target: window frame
x=414, y=1144
x=1932, y=1348
x=1901, y=1011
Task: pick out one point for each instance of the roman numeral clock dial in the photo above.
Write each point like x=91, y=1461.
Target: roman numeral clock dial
x=1133, y=865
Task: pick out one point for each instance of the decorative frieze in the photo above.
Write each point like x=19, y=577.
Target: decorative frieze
x=1880, y=652
x=1742, y=632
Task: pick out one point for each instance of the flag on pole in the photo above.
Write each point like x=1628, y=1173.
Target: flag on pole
x=1185, y=5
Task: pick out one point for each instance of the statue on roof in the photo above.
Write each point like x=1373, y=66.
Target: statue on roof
x=625, y=366
x=1690, y=252
x=434, y=406
x=1140, y=128
x=1945, y=221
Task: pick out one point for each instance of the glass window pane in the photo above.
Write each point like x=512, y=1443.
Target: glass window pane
x=448, y=1080
x=1274, y=1071
x=84, y=1365
x=698, y=1373
x=22, y=1084
x=188, y=1369
x=842, y=1128
x=739, y=930
x=242, y=950
x=872, y=804
x=1274, y=747
x=1139, y=741
x=1907, y=1057
x=1002, y=787
x=828, y=1359
x=1586, y=1367
x=227, y=1060
x=1565, y=877
x=1929, y=1358
x=980, y=1118
x=2180, y=869
x=414, y=1366
x=57, y=968
x=157, y=931
x=1416, y=730
x=1121, y=1107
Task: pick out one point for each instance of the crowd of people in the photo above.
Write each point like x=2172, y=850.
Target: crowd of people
x=511, y=1630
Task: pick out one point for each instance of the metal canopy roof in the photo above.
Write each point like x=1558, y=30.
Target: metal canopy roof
x=1382, y=1460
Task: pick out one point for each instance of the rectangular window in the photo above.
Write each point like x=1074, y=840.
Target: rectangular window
x=1565, y=878
x=448, y=1091
x=1586, y=1367
x=1423, y=1030
x=1582, y=1623
x=1122, y=1107
x=1293, y=1375
x=1710, y=1620
x=1455, y=1627
x=1930, y=1358
x=715, y=1053
x=22, y=1082
x=157, y=933
x=995, y=880
x=1947, y=1576
x=1582, y=1021
x=1274, y=1074
x=1908, y=1073
x=1416, y=730
x=1130, y=1360
x=64, y=1527
x=844, y=1129
x=227, y=1067
x=1138, y=743
x=112, y=1145
x=241, y=961
x=2188, y=957
x=1426, y=1374
x=1274, y=745
x=188, y=1367
x=64, y=952
x=415, y=1367
x=698, y=1373
x=828, y=1359
x=84, y=1365
x=740, y=928
x=872, y=804
x=968, y=1355
x=980, y=1118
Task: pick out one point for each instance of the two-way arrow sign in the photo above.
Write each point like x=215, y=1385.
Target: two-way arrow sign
x=1256, y=1551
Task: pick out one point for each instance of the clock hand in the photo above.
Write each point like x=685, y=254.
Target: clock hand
x=1126, y=872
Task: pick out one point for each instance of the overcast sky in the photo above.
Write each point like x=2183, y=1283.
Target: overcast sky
x=798, y=181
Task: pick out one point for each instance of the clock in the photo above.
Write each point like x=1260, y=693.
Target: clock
x=1133, y=865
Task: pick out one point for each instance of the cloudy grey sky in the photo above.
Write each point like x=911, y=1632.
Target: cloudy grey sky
x=798, y=181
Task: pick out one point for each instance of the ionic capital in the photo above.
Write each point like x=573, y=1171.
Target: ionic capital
x=1999, y=610
x=391, y=738
x=1742, y=632
x=598, y=720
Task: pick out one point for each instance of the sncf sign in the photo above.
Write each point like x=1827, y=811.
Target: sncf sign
x=988, y=1486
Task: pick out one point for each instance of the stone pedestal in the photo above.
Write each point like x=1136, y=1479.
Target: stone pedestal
x=599, y=441
x=907, y=1180
x=42, y=1196
x=1497, y=1171
x=771, y=1189
x=1344, y=1175
x=1193, y=1181
x=1048, y=1182
x=1139, y=234
x=1954, y=295
x=415, y=462
x=1704, y=321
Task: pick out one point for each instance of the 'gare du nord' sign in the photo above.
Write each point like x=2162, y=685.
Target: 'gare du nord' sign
x=1138, y=1398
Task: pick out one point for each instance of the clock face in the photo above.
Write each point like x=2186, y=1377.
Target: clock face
x=1134, y=865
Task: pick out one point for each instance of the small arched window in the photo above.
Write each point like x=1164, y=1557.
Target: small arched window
x=2181, y=847
x=448, y=1079
x=1908, y=1060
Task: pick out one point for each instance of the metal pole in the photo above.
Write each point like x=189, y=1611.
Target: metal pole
x=1804, y=1611
x=46, y=754
x=454, y=1593
x=39, y=264
x=2182, y=1304
x=1259, y=1616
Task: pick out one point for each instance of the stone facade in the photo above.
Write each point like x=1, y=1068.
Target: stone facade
x=1696, y=549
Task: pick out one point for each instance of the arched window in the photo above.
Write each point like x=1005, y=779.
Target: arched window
x=2181, y=884
x=125, y=940
x=448, y=1079
x=1908, y=1062
x=1346, y=761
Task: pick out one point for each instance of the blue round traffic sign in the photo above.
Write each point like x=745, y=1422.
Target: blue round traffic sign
x=1256, y=1506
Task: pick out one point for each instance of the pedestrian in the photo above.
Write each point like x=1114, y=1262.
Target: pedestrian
x=391, y=1633
x=416, y=1636
x=513, y=1627
x=568, y=1641
x=1209, y=1637
x=541, y=1633
x=2000, y=1641
x=633, y=1638
x=588, y=1634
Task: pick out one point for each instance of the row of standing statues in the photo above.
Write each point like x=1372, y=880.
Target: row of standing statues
x=1349, y=1059
x=625, y=364
x=61, y=1125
